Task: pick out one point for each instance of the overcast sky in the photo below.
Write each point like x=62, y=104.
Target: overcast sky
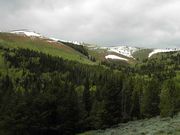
x=147, y=23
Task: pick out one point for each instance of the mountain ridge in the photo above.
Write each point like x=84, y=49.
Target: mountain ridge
x=124, y=50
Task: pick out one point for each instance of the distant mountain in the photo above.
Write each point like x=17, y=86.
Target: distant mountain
x=123, y=50
x=124, y=53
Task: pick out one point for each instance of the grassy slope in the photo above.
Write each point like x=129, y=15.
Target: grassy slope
x=142, y=54
x=153, y=126
x=41, y=45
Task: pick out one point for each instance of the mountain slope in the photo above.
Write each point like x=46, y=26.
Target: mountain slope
x=78, y=51
x=142, y=54
x=123, y=50
x=156, y=51
x=41, y=93
x=42, y=45
x=104, y=54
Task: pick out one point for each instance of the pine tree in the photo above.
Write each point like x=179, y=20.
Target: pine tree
x=167, y=99
x=87, y=97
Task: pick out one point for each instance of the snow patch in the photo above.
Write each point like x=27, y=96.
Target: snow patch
x=27, y=33
x=155, y=51
x=34, y=34
x=115, y=57
x=123, y=50
x=73, y=42
x=54, y=39
x=61, y=40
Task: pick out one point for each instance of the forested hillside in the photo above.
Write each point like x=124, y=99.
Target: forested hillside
x=90, y=67
x=42, y=94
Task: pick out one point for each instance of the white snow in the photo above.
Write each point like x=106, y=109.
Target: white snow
x=54, y=39
x=155, y=51
x=123, y=50
x=34, y=34
x=27, y=33
x=115, y=57
x=74, y=42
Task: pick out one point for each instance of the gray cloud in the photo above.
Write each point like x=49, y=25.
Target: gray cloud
x=147, y=23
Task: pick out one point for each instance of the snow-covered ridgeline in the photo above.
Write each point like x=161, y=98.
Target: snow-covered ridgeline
x=73, y=42
x=123, y=50
x=54, y=39
x=27, y=33
x=61, y=40
x=34, y=34
x=115, y=57
x=155, y=51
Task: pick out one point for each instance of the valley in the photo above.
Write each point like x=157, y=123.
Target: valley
x=51, y=86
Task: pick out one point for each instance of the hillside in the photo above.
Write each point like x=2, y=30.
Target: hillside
x=153, y=126
x=44, y=45
x=51, y=87
x=130, y=54
x=77, y=51
x=142, y=54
